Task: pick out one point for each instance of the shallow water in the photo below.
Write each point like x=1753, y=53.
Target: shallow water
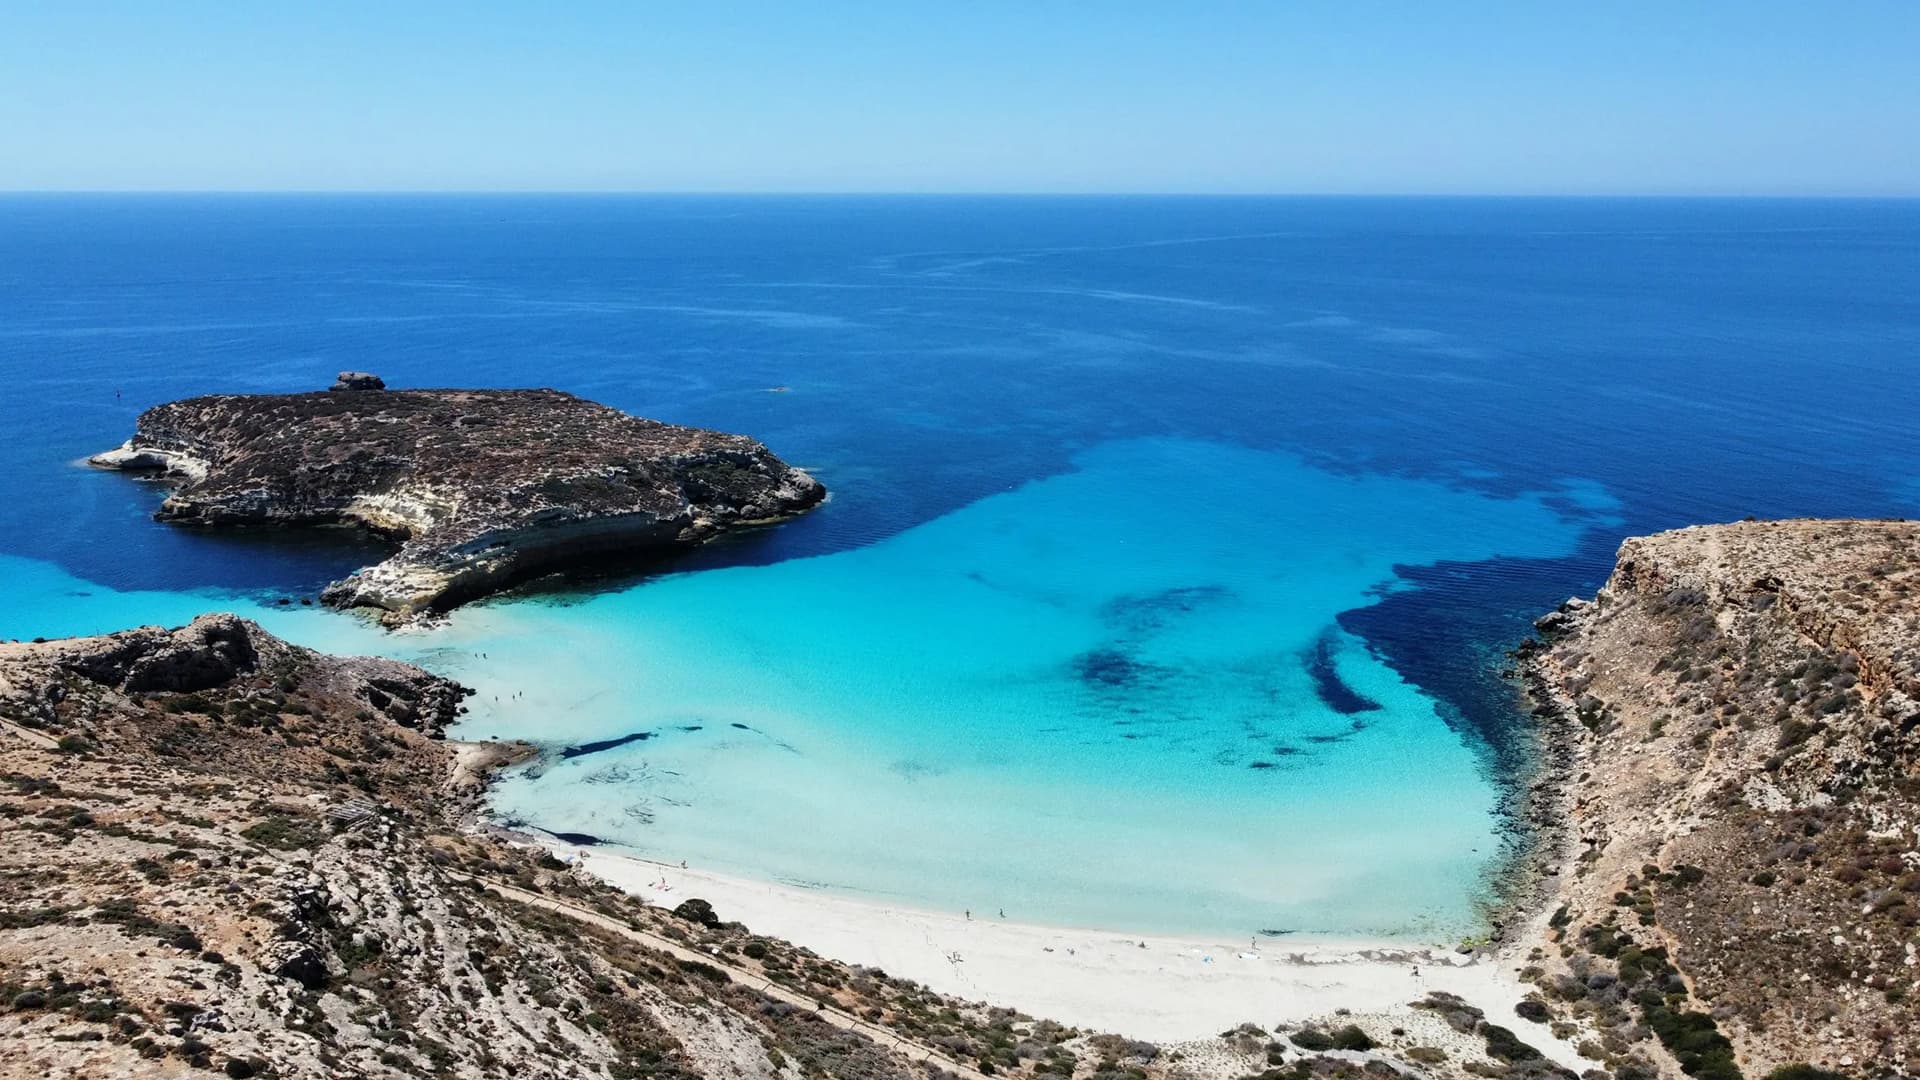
x=1173, y=542
x=1117, y=696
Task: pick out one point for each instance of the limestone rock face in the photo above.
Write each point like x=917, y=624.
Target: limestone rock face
x=296, y=960
x=481, y=488
x=208, y=652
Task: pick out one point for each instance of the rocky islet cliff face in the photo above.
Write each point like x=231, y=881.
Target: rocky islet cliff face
x=481, y=488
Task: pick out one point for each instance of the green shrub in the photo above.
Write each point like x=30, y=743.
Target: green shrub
x=1505, y=1045
x=705, y=971
x=1346, y=1038
x=1794, y=732
x=282, y=832
x=1351, y=1038
x=1311, y=1039
x=1695, y=1042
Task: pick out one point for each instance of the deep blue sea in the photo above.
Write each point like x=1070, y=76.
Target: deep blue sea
x=1174, y=542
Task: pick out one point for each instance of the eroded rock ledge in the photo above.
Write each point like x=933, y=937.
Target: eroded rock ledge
x=482, y=488
x=1743, y=705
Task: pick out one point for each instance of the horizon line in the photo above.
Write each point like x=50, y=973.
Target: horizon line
x=954, y=194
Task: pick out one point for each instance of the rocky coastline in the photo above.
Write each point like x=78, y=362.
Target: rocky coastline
x=1735, y=723
x=225, y=855
x=221, y=852
x=1540, y=845
x=481, y=489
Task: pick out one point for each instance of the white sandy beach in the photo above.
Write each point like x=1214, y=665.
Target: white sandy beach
x=1164, y=989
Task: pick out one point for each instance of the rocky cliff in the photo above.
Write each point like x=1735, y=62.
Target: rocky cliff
x=481, y=488
x=1742, y=708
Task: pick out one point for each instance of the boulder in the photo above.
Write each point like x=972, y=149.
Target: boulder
x=358, y=380
x=1554, y=624
x=298, y=961
x=205, y=653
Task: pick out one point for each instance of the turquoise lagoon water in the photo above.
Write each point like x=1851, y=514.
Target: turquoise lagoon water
x=1118, y=697
x=1174, y=544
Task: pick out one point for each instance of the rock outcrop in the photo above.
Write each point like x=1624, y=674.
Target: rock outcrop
x=1743, y=895
x=481, y=488
x=358, y=380
x=217, y=652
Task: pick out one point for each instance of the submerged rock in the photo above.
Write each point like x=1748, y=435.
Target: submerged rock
x=482, y=487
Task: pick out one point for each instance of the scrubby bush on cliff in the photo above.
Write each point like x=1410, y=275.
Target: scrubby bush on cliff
x=1695, y=1042
x=1349, y=1037
x=1804, y=1072
x=1311, y=1039
x=281, y=832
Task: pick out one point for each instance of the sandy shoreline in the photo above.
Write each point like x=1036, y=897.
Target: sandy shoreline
x=1165, y=989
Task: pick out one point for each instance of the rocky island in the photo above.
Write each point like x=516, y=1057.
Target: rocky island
x=1741, y=705
x=481, y=488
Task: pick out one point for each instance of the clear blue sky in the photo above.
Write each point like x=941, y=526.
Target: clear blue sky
x=1528, y=96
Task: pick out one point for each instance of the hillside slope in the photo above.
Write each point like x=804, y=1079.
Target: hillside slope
x=1743, y=705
